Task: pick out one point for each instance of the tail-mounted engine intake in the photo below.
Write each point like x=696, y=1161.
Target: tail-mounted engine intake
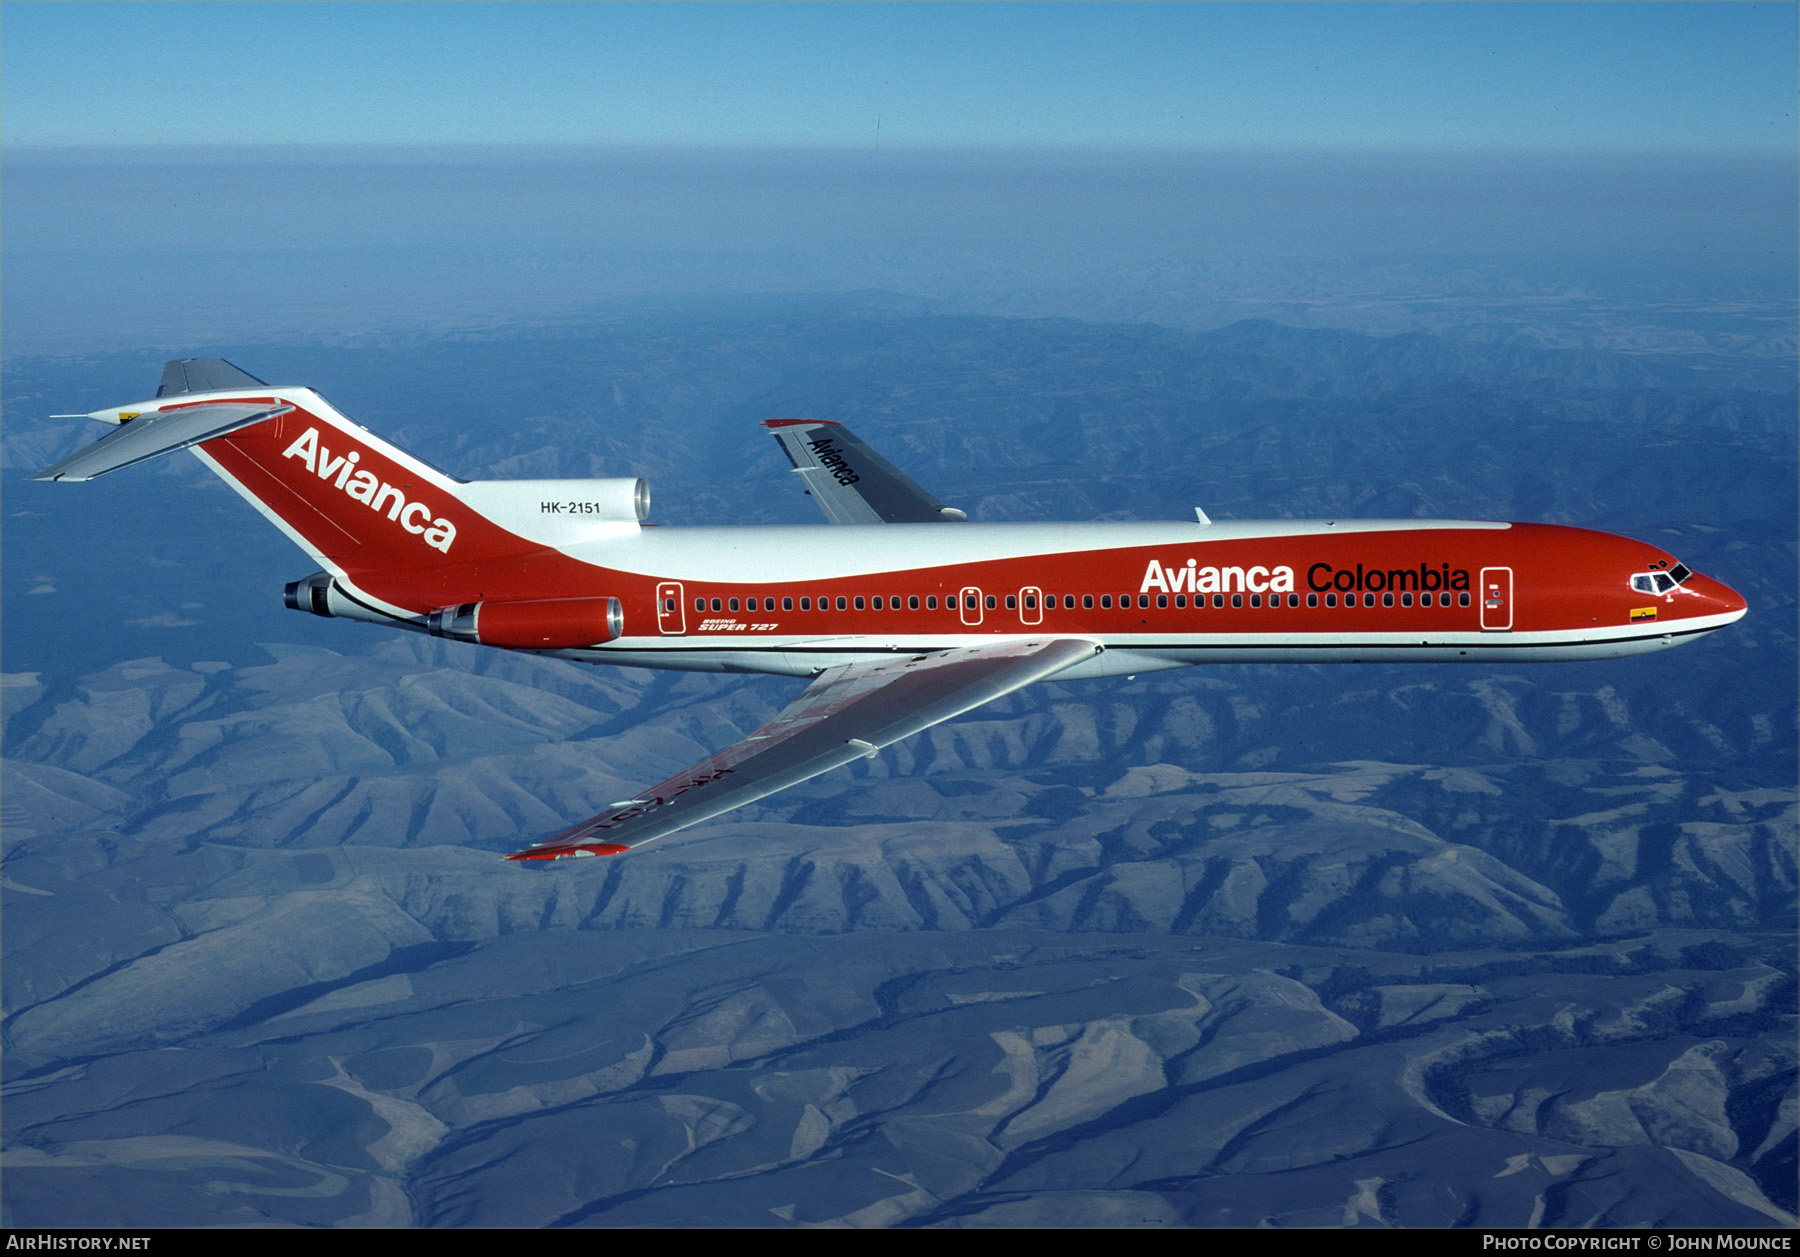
x=320, y=595
x=531, y=623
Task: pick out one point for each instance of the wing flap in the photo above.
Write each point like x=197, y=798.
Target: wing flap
x=846, y=714
x=851, y=482
x=158, y=432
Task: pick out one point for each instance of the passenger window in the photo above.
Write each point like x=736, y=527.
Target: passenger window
x=1106, y=602
x=732, y=605
x=840, y=602
x=1256, y=600
x=931, y=602
x=1237, y=600
x=717, y=605
x=1462, y=599
x=1387, y=600
x=1143, y=601
x=750, y=605
x=1293, y=600
x=1218, y=600
x=806, y=604
x=1012, y=602
x=859, y=602
x=1031, y=602
x=912, y=602
x=1406, y=600
x=1331, y=600
x=1162, y=601
x=1181, y=600
x=877, y=602
x=699, y=604
x=1312, y=600
x=1087, y=600
x=787, y=604
x=1369, y=600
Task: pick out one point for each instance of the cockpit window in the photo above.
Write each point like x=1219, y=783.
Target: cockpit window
x=1660, y=582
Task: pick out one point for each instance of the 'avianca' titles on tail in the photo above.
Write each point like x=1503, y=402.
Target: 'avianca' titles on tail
x=905, y=616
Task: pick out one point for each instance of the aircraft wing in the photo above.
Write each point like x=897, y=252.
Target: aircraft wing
x=851, y=482
x=847, y=713
x=157, y=432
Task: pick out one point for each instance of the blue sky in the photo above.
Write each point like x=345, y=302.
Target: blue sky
x=1631, y=77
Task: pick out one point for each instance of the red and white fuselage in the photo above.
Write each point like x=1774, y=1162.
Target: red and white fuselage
x=792, y=600
x=903, y=624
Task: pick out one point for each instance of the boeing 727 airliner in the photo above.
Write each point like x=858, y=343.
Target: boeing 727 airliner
x=904, y=616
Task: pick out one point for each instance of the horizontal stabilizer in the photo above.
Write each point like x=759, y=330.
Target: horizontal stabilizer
x=851, y=482
x=158, y=432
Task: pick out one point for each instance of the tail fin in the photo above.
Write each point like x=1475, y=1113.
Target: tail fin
x=409, y=536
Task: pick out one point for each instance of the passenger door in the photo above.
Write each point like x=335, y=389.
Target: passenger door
x=1031, y=605
x=671, y=615
x=1496, y=596
x=969, y=604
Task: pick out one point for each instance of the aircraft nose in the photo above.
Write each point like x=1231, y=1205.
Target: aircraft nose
x=1728, y=600
x=1735, y=602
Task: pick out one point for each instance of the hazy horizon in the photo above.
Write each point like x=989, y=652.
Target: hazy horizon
x=279, y=242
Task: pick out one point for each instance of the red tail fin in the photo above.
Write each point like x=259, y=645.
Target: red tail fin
x=400, y=532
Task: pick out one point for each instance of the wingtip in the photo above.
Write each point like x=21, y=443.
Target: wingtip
x=574, y=851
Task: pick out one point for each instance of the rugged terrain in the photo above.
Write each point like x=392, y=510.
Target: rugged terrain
x=1305, y=946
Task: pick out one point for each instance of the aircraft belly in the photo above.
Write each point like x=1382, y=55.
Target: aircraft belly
x=1126, y=654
